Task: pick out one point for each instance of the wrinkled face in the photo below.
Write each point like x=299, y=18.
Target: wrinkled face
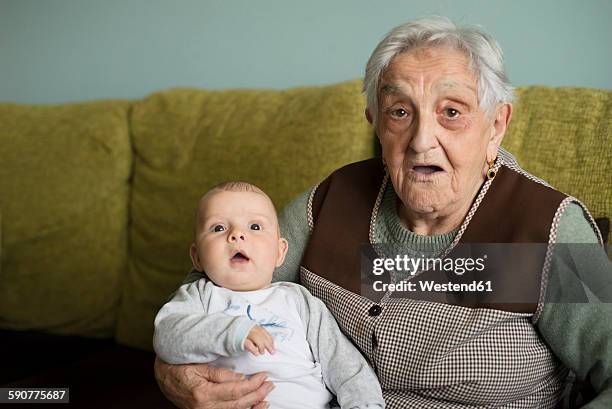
x=237, y=240
x=435, y=138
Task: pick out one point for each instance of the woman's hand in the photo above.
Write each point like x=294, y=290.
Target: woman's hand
x=200, y=386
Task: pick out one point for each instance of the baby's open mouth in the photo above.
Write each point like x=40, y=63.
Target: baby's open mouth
x=427, y=169
x=240, y=256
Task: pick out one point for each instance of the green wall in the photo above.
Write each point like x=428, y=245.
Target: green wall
x=72, y=50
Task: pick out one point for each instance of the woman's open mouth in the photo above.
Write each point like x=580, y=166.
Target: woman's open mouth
x=427, y=169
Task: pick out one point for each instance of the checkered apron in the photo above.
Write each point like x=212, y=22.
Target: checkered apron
x=434, y=355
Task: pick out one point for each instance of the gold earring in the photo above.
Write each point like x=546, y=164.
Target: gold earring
x=491, y=172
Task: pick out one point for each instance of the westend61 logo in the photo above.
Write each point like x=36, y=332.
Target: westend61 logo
x=412, y=265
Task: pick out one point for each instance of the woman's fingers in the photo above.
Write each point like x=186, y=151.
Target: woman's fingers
x=233, y=391
x=261, y=405
x=250, y=399
x=218, y=375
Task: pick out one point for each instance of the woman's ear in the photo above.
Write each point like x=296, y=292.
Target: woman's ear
x=195, y=258
x=283, y=246
x=502, y=118
x=368, y=116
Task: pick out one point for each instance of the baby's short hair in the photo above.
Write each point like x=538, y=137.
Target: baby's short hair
x=237, y=186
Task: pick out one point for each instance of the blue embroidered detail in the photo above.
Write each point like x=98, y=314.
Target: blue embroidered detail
x=277, y=327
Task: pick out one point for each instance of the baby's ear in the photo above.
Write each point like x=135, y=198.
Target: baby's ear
x=195, y=258
x=283, y=245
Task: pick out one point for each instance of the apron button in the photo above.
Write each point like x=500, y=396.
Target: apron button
x=375, y=310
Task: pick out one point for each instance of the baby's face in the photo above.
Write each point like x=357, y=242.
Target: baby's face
x=238, y=243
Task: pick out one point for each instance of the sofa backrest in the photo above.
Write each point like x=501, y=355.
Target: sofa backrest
x=64, y=191
x=564, y=136
x=97, y=200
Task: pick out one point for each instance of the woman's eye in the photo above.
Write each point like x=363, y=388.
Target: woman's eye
x=451, y=113
x=399, y=113
x=255, y=226
x=218, y=228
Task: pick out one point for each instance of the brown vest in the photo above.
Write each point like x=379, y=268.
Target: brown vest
x=515, y=209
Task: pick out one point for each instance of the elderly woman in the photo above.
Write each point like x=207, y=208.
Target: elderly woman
x=440, y=102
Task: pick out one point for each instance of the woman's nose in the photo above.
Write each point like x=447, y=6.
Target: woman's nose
x=424, y=137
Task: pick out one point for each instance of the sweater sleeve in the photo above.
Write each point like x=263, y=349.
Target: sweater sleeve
x=580, y=333
x=186, y=333
x=294, y=227
x=345, y=371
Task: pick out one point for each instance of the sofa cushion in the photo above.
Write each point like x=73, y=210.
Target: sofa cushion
x=187, y=140
x=563, y=135
x=63, y=196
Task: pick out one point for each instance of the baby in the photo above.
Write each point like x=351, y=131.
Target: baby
x=240, y=321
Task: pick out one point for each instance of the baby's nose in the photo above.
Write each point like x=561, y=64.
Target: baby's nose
x=236, y=235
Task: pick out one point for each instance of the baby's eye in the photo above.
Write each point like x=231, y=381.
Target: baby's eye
x=451, y=113
x=255, y=226
x=218, y=228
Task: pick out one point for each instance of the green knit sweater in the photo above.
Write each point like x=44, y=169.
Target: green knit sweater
x=580, y=335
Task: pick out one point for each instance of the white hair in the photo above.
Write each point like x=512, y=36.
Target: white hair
x=482, y=51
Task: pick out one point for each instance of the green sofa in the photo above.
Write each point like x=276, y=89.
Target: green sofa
x=97, y=204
